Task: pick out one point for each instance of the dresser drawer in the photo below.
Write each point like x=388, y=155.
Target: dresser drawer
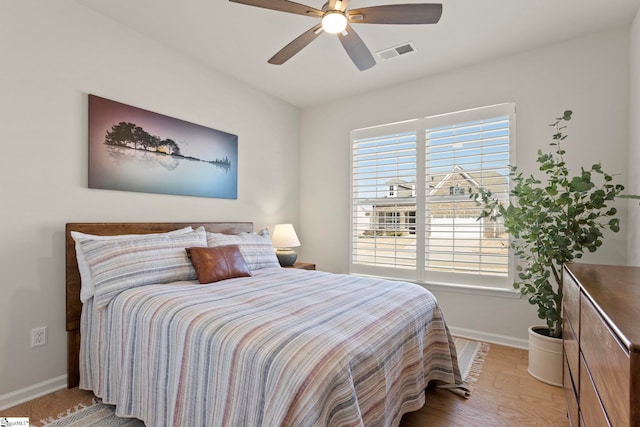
x=571, y=348
x=608, y=364
x=571, y=302
x=570, y=395
x=590, y=404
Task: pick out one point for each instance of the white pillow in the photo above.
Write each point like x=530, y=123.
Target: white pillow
x=256, y=249
x=87, y=288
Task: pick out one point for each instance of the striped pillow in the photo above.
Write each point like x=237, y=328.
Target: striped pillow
x=120, y=264
x=87, y=288
x=256, y=248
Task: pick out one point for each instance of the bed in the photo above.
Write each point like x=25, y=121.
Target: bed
x=274, y=346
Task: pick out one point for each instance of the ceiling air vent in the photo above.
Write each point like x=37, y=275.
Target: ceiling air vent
x=396, y=51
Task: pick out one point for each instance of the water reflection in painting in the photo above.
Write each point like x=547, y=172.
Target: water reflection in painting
x=131, y=149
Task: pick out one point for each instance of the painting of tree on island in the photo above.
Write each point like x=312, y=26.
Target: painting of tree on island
x=132, y=149
x=129, y=135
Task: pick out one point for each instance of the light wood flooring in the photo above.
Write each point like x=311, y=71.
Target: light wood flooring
x=505, y=395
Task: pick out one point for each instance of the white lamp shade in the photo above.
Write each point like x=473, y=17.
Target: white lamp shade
x=334, y=22
x=284, y=236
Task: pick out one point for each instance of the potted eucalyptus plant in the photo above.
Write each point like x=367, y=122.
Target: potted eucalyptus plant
x=553, y=219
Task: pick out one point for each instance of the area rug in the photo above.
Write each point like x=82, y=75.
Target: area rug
x=471, y=355
x=96, y=415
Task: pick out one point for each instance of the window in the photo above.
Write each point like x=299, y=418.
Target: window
x=412, y=214
x=457, y=190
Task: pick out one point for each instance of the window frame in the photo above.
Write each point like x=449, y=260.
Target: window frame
x=462, y=282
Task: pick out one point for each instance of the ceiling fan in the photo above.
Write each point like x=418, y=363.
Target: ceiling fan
x=335, y=19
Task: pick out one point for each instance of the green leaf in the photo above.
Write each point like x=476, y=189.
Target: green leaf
x=553, y=219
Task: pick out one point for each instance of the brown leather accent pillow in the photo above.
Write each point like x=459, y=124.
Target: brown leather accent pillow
x=219, y=263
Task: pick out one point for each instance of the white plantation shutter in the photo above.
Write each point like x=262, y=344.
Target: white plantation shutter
x=464, y=151
x=383, y=200
x=441, y=241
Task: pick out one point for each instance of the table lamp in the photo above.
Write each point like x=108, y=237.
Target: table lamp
x=284, y=238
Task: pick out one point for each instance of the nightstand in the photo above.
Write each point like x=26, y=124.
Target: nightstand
x=303, y=266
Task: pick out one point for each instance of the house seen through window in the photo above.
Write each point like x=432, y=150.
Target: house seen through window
x=412, y=215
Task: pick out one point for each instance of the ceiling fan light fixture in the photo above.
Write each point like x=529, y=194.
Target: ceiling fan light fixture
x=334, y=22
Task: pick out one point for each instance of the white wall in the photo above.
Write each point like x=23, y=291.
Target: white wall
x=52, y=55
x=588, y=75
x=634, y=140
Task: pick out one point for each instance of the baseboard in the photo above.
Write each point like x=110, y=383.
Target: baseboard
x=26, y=394
x=490, y=338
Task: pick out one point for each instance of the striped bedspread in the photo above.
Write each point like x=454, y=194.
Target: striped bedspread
x=285, y=347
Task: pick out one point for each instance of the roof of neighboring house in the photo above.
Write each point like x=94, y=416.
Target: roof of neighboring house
x=440, y=183
x=489, y=180
x=398, y=181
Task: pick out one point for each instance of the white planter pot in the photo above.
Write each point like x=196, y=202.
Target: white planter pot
x=545, y=357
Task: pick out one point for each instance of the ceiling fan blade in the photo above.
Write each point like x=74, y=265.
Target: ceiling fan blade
x=415, y=13
x=338, y=5
x=283, y=6
x=296, y=45
x=356, y=49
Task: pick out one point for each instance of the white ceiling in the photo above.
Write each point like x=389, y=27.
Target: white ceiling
x=238, y=39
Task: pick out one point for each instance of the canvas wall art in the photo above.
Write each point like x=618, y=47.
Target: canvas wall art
x=132, y=149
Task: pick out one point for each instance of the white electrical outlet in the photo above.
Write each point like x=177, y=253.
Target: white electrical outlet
x=38, y=336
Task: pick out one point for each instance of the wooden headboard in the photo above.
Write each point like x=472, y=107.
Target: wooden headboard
x=73, y=303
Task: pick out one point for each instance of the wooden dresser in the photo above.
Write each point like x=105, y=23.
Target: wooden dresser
x=601, y=340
